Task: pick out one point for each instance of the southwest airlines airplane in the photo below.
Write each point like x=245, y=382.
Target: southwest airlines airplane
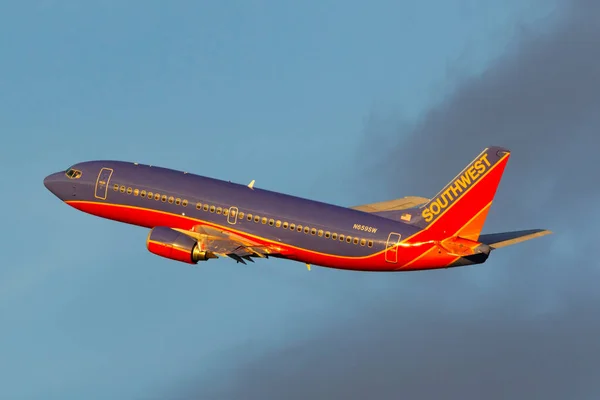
x=194, y=218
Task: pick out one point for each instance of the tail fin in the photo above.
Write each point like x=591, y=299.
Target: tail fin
x=460, y=208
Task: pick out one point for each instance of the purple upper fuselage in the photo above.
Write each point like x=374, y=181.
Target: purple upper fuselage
x=99, y=179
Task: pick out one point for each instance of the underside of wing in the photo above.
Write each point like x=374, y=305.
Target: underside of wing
x=392, y=205
x=228, y=244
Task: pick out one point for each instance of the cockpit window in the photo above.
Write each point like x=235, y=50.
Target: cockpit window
x=73, y=173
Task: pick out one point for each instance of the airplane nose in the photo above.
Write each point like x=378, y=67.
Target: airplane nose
x=47, y=182
x=54, y=182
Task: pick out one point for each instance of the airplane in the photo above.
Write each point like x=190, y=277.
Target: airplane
x=193, y=218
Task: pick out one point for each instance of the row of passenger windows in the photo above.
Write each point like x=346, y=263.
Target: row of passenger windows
x=150, y=195
x=305, y=229
x=225, y=211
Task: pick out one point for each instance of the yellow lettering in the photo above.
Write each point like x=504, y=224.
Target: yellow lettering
x=437, y=206
x=475, y=171
x=448, y=195
x=464, y=181
x=443, y=204
x=427, y=215
x=472, y=173
x=456, y=189
x=484, y=158
x=479, y=167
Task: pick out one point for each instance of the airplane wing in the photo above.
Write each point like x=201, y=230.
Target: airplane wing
x=229, y=244
x=392, y=205
x=498, y=240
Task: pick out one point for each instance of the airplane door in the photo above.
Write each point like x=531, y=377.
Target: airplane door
x=391, y=247
x=232, y=216
x=102, y=183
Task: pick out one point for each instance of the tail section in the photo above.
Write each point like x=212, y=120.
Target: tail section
x=451, y=222
x=460, y=208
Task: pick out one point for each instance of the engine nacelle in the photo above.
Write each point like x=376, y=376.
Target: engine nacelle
x=169, y=243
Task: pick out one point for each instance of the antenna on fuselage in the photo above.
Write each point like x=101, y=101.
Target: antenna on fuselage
x=251, y=184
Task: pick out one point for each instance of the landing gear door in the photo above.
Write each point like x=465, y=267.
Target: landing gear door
x=391, y=247
x=102, y=183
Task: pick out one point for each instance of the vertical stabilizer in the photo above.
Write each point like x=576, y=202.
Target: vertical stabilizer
x=460, y=208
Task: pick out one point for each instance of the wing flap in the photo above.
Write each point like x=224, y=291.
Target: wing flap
x=229, y=244
x=503, y=239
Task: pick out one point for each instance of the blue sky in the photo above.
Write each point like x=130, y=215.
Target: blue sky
x=279, y=92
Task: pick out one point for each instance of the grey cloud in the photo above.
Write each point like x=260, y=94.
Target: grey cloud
x=524, y=325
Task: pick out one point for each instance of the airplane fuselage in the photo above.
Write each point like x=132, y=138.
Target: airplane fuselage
x=310, y=231
x=192, y=218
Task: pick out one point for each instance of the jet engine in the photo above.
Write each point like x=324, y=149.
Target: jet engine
x=169, y=243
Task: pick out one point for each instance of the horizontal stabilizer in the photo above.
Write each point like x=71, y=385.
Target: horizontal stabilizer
x=497, y=240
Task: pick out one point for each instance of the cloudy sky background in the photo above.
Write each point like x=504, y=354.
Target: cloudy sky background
x=336, y=101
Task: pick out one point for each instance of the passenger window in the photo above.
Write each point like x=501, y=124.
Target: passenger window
x=313, y=231
x=327, y=235
x=249, y=217
x=355, y=240
x=226, y=212
x=150, y=195
x=219, y=210
x=129, y=190
x=299, y=228
x=122, y=189
x=370, y=243
x=184, y=202
x=334, y=236
x=292, y=227
x=285, y=225
x=256, y=218
x=363, y=242
x=157, y=196
x=143, y=194
x=277, y=224
x=306, y=229
x=116, y=187
x=212, y=209
x=177, y=201
x=198, y=206
x=320, y=232
x=271, y=222
x=163, y=198
x=263, y=220
x=205, y=207
x=136, y=192
x=240, y=215
x=342, y=238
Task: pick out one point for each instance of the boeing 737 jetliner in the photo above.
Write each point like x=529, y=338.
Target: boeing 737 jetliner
x=194, y=218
